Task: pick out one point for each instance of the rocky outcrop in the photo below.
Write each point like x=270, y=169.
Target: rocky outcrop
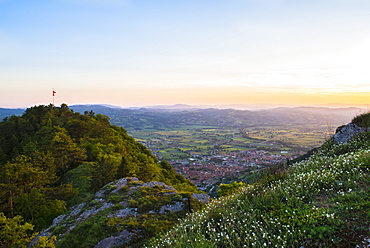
x=178, y=206
x=123, y=207
x=202, y=197
x=345, y=133
x=116, y=241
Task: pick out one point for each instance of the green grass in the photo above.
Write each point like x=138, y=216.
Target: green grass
x=320, y=202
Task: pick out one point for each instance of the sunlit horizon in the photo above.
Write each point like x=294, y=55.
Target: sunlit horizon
x=131, y=53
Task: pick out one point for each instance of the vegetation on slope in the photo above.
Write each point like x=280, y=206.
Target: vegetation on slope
x=124, y=213
x=323, y=201
x=362, y=120
x=52, y=158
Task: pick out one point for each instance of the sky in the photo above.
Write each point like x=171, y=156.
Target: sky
x=199, y=52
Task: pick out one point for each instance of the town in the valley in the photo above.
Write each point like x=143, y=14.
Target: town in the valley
x=205, y=171
x=209, y=157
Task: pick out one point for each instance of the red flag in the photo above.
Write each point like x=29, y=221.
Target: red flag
x=54, y=92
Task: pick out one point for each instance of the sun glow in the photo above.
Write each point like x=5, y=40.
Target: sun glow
x=132, y=53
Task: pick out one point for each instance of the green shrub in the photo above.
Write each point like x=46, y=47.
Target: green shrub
x=87, y=234
x=14, y=232
x=362, y=120
x=228, y=189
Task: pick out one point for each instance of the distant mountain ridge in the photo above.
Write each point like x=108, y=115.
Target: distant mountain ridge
x=167, y=116
x=134, y=119
x=5, y=112
x=178, y=107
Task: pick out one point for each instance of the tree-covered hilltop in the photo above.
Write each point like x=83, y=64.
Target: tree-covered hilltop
x=52, y=157
x=322, y=201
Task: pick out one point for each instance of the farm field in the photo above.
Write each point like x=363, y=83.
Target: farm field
x=185, y=142
x=209, y=155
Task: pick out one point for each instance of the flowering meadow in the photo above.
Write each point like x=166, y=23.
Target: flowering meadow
x=323, y=201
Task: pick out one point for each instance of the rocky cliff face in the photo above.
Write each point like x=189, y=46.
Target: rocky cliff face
x=345, y=133
x=124, y=212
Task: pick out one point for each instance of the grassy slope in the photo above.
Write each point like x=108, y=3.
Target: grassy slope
x=320, y=202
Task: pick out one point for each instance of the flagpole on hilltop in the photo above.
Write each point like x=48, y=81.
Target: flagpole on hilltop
x=53, y=96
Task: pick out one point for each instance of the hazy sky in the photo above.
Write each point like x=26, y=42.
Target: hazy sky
x=150, y=52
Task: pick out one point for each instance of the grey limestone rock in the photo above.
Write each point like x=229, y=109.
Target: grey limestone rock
x=178, y=206
x=123, y=213
x=87, y=213
x=202, y=197
x=106, y=243
x=116, y=241
x=120, y=183
x=58, y=219
x=345, y=133
x=160, y=184
x=77, y=209
x=105, y=206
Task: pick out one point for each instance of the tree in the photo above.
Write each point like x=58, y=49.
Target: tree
x=24, y=189
x=13, y=232
x=41, y=147
x=20, y=176
x=66, y=153
x=37, y=208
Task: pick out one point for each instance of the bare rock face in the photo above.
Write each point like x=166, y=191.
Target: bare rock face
x=123, y=213
x=107, y=242
x=345, y=133
x=178, y=206
x=159, y=184
x=202, y=197
x=116, y=241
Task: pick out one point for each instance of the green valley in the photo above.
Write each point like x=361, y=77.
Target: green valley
x=84, y=182
x=322, y=201
x=211, y=146
x=187, y=141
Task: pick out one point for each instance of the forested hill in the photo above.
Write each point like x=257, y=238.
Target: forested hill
x=52, y=157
